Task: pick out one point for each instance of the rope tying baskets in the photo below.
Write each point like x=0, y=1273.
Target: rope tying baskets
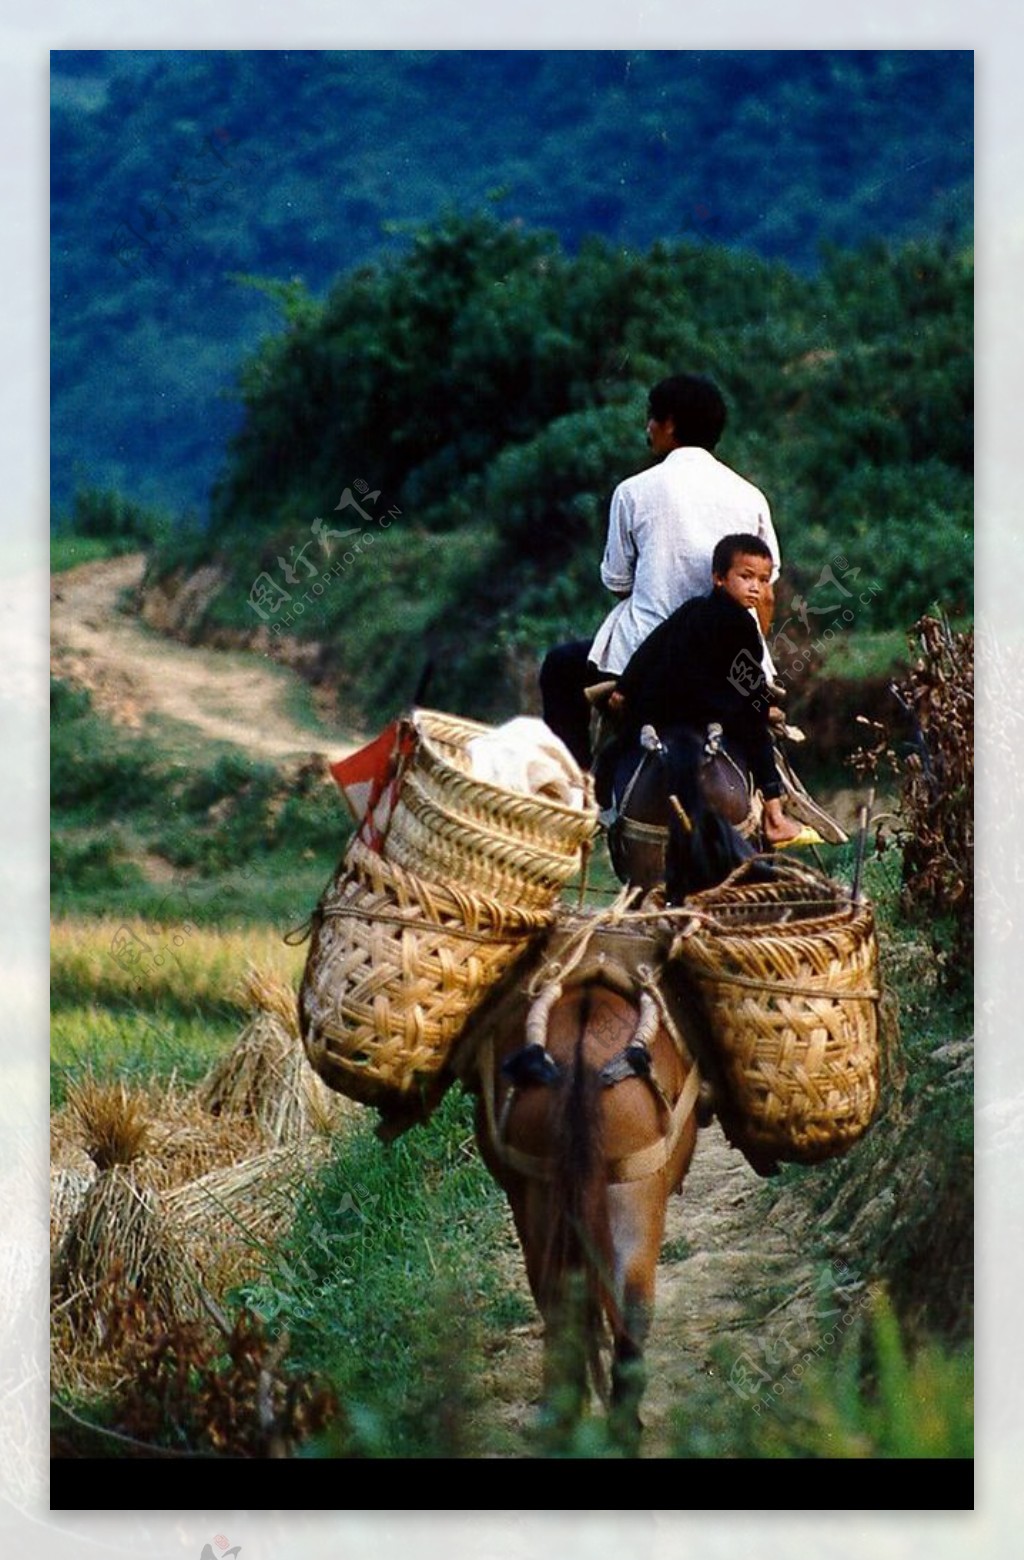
x=448, y=824
x=788, y=972
x=395, y=968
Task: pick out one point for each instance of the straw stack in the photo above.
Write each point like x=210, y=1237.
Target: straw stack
x=227, y=1218
x=265, y=1077
x=118, y=1240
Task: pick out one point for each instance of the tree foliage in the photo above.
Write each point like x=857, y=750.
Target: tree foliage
x=178, y=173
x=487, y=391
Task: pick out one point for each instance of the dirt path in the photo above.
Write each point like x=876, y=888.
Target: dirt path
x=735, y=1295
x=132, y=672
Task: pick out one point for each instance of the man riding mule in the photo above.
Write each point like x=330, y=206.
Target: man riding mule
x=445, y=949
x=662, y=528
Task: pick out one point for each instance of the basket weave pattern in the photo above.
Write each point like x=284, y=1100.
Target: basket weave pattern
x=449, y=825
x=395, y=967
x=789, y=976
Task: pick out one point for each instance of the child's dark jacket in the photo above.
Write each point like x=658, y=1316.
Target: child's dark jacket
x=704, y=664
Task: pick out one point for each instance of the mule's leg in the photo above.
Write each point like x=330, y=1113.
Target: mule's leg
x=561, y=1298
x=566, y=1381
x=561, y=1302
x=638, y=1222
x=629, y=1372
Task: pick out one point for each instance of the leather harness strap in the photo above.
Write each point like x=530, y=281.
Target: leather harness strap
x=631, y=782
x=648, y=1161
x=642, y=1162
x=530, y=1165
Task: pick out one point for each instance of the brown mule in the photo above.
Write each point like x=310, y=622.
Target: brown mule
x=588, y=1127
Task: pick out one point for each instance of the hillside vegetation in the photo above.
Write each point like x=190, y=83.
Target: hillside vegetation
x=458, y=417
x=176, y=173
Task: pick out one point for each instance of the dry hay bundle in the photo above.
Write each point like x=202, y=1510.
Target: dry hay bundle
x=185, y=1141
x=102, y=1126
x=113, y=1122
x=227, y=1218
x=117, y=1243
x=181, y=1141
x=67, y=1140
x=171, y=1200
x=266, y=1077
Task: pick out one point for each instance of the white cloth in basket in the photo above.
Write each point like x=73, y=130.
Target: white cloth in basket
x=525, y=755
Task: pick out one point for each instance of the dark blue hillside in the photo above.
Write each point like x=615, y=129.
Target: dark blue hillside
x=176, y=174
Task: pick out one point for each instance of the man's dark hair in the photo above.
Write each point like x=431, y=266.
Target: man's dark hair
x=730, y=547
x=695, y=406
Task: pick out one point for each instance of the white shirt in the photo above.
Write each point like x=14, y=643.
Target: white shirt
x=662, y=531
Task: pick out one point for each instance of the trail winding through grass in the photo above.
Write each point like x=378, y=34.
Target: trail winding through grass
x=132, y=672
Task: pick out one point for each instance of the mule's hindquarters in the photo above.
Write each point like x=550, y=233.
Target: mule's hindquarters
x=587, y=1152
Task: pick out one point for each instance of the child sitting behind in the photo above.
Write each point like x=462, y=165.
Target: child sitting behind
x=704, y=663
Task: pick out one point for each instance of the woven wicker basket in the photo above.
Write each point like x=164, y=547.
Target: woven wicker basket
x=395, y=969
x=788, y=972
x=448, y=825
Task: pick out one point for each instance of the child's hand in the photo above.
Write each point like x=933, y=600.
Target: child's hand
x=616, y=703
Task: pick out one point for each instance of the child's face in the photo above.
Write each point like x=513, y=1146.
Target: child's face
x=748, y=577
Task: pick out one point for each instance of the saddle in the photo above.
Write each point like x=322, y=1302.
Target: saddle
x=634, y=796
x=634, y=813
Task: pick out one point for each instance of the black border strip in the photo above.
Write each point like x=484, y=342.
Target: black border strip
x=727, y=1485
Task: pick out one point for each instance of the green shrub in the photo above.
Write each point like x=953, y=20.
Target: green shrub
x=494, y=391
x=95, y=769
x=108, y=516
x=879, y=1400
x=90, y=865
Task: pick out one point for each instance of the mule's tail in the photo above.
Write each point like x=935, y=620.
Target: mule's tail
x=579, y=1258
